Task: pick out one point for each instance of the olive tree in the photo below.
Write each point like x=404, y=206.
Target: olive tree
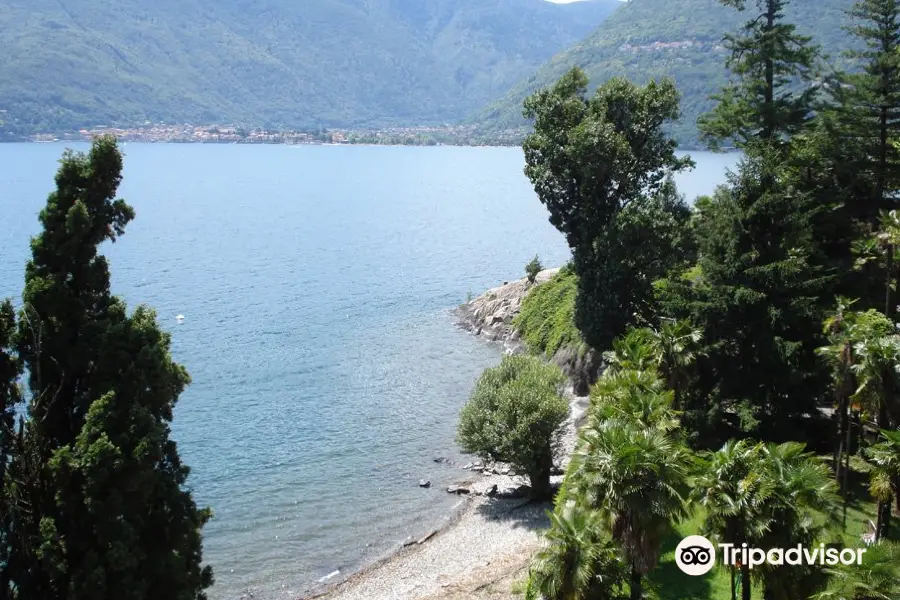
x=514, y=416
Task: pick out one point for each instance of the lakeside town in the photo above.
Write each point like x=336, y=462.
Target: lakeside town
x=460, y=135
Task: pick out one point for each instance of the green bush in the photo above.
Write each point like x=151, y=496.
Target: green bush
x=514, y=415
x=546, y=320
x=533, y=268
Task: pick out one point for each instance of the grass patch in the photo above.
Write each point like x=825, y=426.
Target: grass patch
x=667, y=582
x=547, y=319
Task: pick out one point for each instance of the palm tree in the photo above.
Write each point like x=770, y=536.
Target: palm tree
x=802, y=489
x=878, y=578
x=637, y=479
x=633, y=350
x=578, y=560
x=878, y=373
x=734, y=492
x=885, y=476
x=634, y=396
x=675, y=346
x=839, y=356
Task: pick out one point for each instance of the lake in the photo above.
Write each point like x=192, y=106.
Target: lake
x=316, y=284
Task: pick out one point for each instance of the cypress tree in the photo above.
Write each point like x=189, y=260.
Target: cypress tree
x=100, y=510
x=10, y=396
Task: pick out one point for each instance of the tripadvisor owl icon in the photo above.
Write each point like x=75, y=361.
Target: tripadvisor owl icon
x=695, y=555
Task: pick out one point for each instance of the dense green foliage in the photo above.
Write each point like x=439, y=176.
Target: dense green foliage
x=514, y=414
x=546, y=320
x=532, y=269
x=271, y=63
x=745, y=334
x=769, y=60
x=94, y=502
x=681, y=39
x=602, y=166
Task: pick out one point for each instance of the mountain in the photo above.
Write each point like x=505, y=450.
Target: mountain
x=682, y=39
x=299, y=63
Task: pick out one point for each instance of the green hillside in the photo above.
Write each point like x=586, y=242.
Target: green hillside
x=74, y=63
x=648, y=39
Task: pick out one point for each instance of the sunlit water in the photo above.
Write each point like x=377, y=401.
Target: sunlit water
x=316, y=285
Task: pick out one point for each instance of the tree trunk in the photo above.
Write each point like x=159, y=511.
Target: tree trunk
x=888, y=304
x=769, y=127
x=540, y=482
x=745, y=582
x=733, y=587
x=636, y=589
x=886, y=519
x=879, y=520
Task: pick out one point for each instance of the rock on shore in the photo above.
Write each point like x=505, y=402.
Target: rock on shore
x=491, y=314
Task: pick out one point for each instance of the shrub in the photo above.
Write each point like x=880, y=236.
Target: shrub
x=533, y=268
x=546, y=320
x=514, y=415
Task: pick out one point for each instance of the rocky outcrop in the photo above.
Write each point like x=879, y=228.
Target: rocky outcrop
x=491, y=315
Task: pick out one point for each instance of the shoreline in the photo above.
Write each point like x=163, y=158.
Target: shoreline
x=487, y=541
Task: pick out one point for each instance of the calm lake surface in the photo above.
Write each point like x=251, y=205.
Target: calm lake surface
x=316, y=284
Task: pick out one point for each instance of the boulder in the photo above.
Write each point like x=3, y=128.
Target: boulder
x=456, y=489
x=424, y=483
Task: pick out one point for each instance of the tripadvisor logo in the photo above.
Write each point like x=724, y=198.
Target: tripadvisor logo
x=696, y=555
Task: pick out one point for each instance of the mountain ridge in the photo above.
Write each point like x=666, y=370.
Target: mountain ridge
x=74, y=63
x=650, y=39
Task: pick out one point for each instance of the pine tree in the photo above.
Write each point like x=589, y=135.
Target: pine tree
x=758, y=298
x=868, y=105
x=100, y=510
x=769, y=59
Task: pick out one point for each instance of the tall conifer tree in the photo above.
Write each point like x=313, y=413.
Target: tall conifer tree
x=100, y=510
x=759, y=298
x=10, y=396
x=869, y=105
x=769, y=59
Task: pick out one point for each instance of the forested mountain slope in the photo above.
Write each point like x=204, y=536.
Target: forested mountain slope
x=73, y=63
x=647, y=39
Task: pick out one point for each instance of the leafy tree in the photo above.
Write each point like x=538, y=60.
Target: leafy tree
x=601, y=166
x=878, y=578
x=514, y=415
x=578, y=560
x=875, y=368
x=768, y=57
x=533, y=268
x=636, y=478
x=99, y=505
x=631, y=351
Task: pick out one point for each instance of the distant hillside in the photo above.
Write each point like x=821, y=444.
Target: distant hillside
x=648, y=39
x=298, y=63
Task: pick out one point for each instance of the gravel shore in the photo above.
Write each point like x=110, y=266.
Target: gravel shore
x=486, y=551
x=482, y=555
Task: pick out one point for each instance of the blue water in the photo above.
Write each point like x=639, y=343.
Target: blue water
x=316, y=285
